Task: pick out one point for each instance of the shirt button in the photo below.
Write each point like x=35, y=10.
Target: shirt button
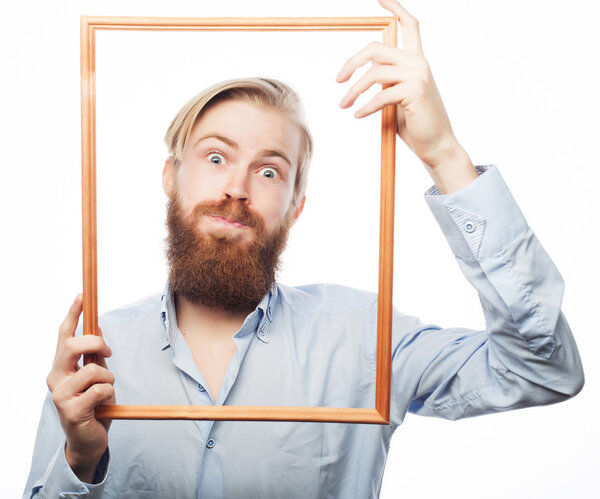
x=200, y=388
x=469, y=227
x=210, y=443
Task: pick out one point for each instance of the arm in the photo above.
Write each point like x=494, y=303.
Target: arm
x=71, y=451
x=527, y=355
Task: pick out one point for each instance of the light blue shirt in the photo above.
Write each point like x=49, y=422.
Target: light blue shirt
x=315, y=346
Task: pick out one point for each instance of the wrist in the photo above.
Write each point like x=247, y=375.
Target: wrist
x=453, y=170
x=83, y=465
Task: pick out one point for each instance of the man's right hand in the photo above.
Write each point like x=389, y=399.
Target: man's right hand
x=76, y=391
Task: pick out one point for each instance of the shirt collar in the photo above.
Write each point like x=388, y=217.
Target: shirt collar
x=257, y=321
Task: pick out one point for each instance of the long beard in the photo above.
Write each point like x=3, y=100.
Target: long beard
x=213, y=269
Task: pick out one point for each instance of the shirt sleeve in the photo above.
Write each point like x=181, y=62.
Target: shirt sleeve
x=527, y=355
x=50, y=474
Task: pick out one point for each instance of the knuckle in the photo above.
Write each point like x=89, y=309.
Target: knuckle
x=63, y=328
x=424, y=65
x=102, y=390
x=99, y=373
x=423, y=83
x=98, y=341
x=70, y=345
x=420, y=83
x=95, y=372
x=56, y=398
x=95, y=369
x=412, y=20
x=90, y=370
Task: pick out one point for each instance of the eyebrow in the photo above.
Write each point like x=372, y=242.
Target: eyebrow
x=234, y=145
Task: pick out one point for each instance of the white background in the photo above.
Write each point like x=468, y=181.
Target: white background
x=520, y=83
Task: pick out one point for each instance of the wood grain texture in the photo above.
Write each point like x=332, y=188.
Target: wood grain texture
x=386, y=248
x=388, y=26
x=88, y=183
x=240, y=23
x=240, y=413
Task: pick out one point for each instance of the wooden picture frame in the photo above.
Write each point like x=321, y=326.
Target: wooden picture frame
x=380, y=414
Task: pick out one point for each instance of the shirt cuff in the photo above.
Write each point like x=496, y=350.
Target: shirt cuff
x=60, y=481
x=480, y=219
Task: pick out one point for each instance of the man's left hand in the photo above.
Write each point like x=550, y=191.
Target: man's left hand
x=423, y=123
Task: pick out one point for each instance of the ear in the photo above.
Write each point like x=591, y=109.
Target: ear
x=168, y=176
x=298, y=210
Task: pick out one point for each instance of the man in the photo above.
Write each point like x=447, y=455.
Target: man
x=224, y=332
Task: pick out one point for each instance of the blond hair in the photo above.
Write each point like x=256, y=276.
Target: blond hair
x=257, y=91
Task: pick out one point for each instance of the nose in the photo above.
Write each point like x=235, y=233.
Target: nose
x=237, y=185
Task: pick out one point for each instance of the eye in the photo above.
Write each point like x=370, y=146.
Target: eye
x=269, y=173
x=216, y=158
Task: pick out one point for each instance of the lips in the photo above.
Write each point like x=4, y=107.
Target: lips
x=228, y=221
x=229, y=213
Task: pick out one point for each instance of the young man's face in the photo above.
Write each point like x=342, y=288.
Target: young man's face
x=238, y=152
x=230, y=205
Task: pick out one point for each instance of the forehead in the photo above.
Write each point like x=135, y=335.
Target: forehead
x=248, y=125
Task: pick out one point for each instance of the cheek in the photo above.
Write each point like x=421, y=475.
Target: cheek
x=274, y=208
x=192, y=188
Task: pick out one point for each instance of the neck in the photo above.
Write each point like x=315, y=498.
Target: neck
x=207, y=322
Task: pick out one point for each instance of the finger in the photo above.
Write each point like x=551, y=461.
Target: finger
x=82, y=407
x=79, y=382
x=401, y=126
x=96, y=395
x=98, y=359
x=411, y=39
x=378, y=53
x=69, y=324
x=73, y=348
x=376, y=74
x=101, y=360
x=390, y=95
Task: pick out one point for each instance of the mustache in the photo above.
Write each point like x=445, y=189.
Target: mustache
x=228, y=208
